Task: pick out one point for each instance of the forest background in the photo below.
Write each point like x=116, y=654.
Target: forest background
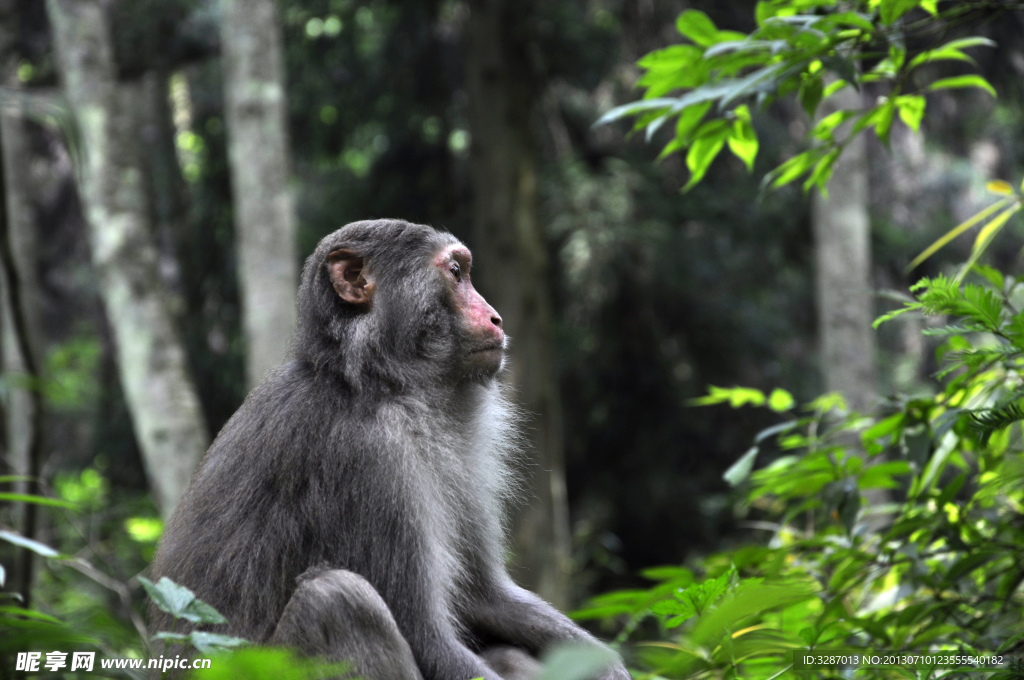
x=152, y=256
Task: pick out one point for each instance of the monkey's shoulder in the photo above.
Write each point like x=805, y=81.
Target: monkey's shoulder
x=296, y=423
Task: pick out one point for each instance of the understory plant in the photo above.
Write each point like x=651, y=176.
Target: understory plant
x=901, y=531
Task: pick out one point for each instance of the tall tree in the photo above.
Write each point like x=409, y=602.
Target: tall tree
x=21, y=335
x=251, y=43
x=513, y=272
x=152, y=364
x=842, y=247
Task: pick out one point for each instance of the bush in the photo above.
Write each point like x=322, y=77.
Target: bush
x=937, y=565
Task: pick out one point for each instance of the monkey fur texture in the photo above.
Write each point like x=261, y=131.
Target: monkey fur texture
x=353, y=506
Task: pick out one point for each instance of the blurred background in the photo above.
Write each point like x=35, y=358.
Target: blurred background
x=168, y=165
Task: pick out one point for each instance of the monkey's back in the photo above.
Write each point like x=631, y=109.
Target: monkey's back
x=292, y=481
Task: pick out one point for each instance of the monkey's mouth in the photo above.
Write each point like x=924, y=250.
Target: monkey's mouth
x=496, y=347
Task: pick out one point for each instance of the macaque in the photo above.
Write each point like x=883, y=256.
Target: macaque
x=353, y=507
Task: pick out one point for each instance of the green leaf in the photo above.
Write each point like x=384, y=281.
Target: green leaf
x=673, y=573
x=823, y=171
x=883, y=120
x=752, y=83
x=898, y=55
x=889, y=316
x=776, y=429
x=696, y=26
x=986, y=236
x=881, y=475
x=883, y=428
x=674, y=607
x=168, y=595
x=834, y=87
x=973, y=41
x=991, y=420
x=27, y=543
x=891, y=10
x=634, y=108
x=780, y=400
x=939, y=55
x=742, y=140
x=971, y=80
x=674, y=67
x=736, y=396
x=826, y=126
x=671, y=58
x=576, y=662
x=951, y=51
x=168, y=636
x=270, y=662
x=969, y=563
x=708, y=143
x=180, y=602
x=812, y=89
x=951, y=490
x=842, y=67
x=1011, y=642
x=744, y=603
x=689, y=119
x=846, y=19
x=740, y=470
x=21, y=612
x=954, y=46
x=956, y=231
x=849, y=504
x=793, y=168
x=37, y=500
x=208, y=643
x=200, y=612
x=911, y=108
x=998, y=186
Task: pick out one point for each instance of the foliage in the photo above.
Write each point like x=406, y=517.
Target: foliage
x=813, y=48
x=21, y=628
x=84, y=596
x=233, y=657
x=939, y=567
x=86, y=623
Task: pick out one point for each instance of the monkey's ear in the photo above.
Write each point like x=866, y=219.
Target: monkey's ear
x=350, y=277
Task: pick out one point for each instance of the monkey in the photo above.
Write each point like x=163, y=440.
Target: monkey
x=353, y=506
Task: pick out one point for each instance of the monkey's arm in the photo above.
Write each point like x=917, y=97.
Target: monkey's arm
x=507, y=613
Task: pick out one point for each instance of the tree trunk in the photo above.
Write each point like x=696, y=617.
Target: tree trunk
x=166, y=192
x=22, y=328
x=21, y=336
x=842, y=248
x=513, y=271
x=152, y=364
x=251, y=45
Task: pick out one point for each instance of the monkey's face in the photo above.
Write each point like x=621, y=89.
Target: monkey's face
x=483, y=345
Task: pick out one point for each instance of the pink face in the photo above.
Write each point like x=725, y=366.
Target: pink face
x=481, y=323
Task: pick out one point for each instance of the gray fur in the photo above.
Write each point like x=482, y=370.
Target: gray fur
x=375, y=453
x=341, y=601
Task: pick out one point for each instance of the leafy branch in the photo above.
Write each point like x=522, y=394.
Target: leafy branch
x=813, y=48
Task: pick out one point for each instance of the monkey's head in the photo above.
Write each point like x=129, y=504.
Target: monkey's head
x=389, y=303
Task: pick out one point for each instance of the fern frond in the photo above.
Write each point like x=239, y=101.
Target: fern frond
x=987, y=421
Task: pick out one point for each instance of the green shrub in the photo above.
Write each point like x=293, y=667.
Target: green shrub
x=937, y=564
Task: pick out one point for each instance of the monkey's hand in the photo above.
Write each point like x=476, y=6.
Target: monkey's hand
x=616, y=672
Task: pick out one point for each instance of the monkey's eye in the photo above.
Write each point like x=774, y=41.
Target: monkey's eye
x=456, y=271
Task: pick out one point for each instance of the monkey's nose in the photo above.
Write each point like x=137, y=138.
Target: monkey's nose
x=496, y=320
